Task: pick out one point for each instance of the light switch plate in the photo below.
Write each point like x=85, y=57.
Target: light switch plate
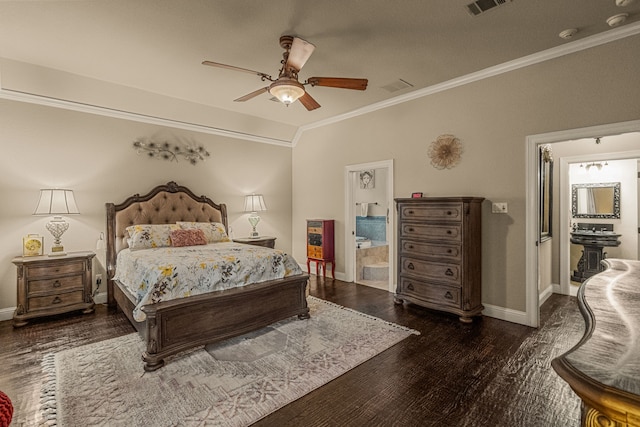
x=499, y=207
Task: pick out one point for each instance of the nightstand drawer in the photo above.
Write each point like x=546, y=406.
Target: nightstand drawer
x=56, y=270
x=55, y=301
x=56, y=284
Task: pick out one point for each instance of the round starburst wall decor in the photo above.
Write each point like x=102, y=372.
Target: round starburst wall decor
x=445, y=151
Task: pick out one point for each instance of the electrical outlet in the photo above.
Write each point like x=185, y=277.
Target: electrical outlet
x=98, y=279
x=499, y=208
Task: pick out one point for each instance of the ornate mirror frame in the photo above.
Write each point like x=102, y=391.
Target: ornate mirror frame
x=546, y=191
x=616, y=200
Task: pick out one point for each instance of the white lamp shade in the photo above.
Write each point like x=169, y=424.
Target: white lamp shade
x=56, y=202
x=254, y=203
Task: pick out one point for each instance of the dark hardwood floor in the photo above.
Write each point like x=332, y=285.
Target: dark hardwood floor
x=488, y=373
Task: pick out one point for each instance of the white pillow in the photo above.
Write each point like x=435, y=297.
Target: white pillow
x=146, y=236
x=213, y=231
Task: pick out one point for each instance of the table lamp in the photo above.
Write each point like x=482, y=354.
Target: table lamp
x=254, y=203
x=57, y=202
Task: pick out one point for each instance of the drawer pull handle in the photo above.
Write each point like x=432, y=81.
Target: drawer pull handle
x=449, y=251
x=410, y=246
x=410, y=229
x=449, y=231
x=57, y=284
x=448, y=272
x=410, y=286
x=410, y=212
x=410, y=266
x=448, y=295
x=56, y=300
x=449, y=213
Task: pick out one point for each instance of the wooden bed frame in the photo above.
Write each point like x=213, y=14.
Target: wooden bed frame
x=178, y=325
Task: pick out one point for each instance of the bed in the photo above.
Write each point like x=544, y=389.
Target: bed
x=172, y=326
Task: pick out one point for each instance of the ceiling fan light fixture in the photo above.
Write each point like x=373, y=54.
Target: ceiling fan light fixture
x=287, y=90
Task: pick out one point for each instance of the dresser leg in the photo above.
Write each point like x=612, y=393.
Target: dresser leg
x=398, y=301
x=466, y=319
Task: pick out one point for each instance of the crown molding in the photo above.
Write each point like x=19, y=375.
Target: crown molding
x=136, y=117
x=525, y=61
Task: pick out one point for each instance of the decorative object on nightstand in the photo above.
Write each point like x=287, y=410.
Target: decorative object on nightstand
x=320, y=245
x=57, y=202
x=266, y=241
x=32, y=245
x=439, y=254
x=254, y=203
x=48, y=286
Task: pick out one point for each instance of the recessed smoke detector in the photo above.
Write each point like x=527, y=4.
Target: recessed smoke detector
x=481, y=6
x=567, y=34
x=618, y=19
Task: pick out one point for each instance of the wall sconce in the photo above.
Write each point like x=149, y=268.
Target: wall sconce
x=57, y=202
x=597, y=165
x=254, y=203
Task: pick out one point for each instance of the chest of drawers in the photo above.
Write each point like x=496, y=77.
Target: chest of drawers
x=439, y=254
x=53, y=285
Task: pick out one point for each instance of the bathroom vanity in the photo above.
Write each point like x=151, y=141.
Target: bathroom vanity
x=594, y=238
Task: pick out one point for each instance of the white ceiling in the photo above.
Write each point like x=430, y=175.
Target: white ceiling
x=157, y=46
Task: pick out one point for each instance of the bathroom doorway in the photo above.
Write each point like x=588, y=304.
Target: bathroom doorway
x=369, y=224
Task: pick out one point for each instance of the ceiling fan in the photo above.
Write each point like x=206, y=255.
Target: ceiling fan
x=286, y=87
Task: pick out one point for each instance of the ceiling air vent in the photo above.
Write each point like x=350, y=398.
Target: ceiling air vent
x=481, y=6
x=397, y=85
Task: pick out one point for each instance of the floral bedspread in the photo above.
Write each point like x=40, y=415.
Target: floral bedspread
x=166, y=273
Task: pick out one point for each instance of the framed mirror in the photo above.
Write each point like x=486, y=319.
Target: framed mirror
x=546, y=191
x=600, y=200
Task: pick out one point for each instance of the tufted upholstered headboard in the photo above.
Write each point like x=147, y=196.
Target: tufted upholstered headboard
x=165, y=204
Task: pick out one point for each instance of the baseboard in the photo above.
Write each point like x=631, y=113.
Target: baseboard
x=6, y=313
x=507, y=314
x=100, y=298
x=544, y=295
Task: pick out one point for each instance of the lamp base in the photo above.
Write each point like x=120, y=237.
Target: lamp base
x=57, y=251
x=254, y=235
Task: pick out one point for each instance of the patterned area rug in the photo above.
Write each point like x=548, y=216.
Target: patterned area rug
x=233, y=383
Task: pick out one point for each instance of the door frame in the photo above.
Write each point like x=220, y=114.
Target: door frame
x=350, y=215
x=532, y=220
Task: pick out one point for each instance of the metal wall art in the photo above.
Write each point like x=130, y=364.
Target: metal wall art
x=171, y=151
x=445, y=151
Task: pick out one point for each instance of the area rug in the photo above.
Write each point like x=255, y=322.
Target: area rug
x=232, y=383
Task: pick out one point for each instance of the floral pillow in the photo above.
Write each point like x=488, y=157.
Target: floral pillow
x=214, y=232
x=146, y=236
x=191, y=237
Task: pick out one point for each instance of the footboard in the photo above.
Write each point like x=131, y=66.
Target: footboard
x=178, y=325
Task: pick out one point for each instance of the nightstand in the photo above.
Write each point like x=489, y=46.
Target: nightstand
x=53, y=285
x=266, y=241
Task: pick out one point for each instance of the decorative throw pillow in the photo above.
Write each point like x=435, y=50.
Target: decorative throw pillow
x=214, y=232
x=147, y=236
x=190, y=237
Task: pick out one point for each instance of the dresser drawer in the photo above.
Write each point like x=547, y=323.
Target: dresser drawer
x=442, y=251
x=430, y=270
x=441, y=233
x=437, y=294
x=432, y=212
x=55, y=301
x=56, y=270
x=314, y=252
x=56, y=285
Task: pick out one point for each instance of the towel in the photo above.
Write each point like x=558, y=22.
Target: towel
x=364, y=209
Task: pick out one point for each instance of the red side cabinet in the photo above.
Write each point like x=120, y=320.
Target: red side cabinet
x=320, y=246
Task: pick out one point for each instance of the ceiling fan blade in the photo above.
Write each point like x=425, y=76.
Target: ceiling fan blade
x=234, y=68
x=339, y=82
x=308, y=102
x=300, y=51
x=252, y=94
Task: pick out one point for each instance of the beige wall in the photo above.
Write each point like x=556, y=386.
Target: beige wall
x=48, y=147
x=493, y=118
